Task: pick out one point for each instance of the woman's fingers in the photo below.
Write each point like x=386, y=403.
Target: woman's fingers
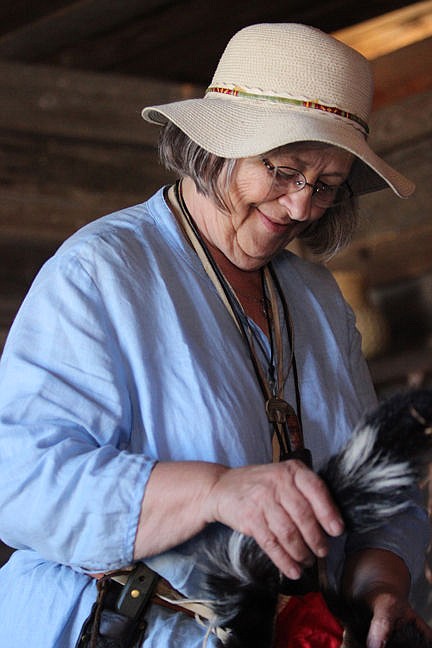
x=285, y=507
x=309, y=514
x=289, y=536
x=389, y=610
x=317, y=495
x=283, y=542
x=278, y=554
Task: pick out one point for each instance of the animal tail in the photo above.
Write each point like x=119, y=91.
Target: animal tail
x=242, y=585
x=371, y=479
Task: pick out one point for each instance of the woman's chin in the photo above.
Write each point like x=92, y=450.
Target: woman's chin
x=253, y=259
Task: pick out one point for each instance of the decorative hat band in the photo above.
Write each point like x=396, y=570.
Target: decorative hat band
x=237, y=91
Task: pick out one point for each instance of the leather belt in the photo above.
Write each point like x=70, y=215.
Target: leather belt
x=117, y=618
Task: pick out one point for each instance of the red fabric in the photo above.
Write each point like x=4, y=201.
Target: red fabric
x=306, y=622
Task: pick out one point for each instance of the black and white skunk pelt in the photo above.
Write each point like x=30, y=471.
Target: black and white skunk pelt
x=370, y=480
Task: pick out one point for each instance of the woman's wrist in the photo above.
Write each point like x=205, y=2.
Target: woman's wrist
x=373, y=572
x=177, y=504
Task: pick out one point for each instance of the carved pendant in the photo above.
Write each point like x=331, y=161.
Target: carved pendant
x=277, y=410
x=281, y=413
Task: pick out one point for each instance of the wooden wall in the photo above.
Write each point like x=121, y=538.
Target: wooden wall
x=74, y=147
x=393, y=246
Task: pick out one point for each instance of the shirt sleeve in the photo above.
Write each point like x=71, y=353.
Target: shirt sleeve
x=407, y=536
x=361, y=377
x=70, y=488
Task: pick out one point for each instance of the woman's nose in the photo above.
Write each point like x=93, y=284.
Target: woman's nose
x=298, y=204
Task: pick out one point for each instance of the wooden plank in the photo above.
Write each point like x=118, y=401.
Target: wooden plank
x=80, y=173
x=57, y=101
x=389, y=32
x=68, y=24
x=402, y=73
x=19, y=263
x=8, y=309
x=51, y=187
x=160, y=39
x=405, y=120
x=394, y=239
x=173, y=43
x=16, y=13
x=383, y=211
x=53, y=101
x=43, y=162
x=51, y=217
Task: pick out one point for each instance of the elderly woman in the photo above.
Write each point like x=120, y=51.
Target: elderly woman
x=169, y=355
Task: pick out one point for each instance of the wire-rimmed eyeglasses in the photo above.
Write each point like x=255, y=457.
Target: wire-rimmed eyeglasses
x=288, y=180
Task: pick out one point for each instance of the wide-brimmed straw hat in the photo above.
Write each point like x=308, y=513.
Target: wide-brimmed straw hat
x=282, y=83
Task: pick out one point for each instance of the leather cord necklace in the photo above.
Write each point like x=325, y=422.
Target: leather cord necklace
x=286, y=423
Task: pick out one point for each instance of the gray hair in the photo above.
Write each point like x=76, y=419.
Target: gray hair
x=333, y=231
x=178, y=153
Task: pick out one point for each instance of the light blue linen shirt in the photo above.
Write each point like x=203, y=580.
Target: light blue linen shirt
x=121, y=355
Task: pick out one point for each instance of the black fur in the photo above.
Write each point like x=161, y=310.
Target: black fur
x=371, y=479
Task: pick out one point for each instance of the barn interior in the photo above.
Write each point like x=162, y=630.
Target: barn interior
x=75, y=75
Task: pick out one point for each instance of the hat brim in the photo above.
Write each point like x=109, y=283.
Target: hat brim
x=242, y=128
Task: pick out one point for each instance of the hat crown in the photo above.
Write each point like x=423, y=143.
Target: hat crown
x=297, y=61
x=282, y=83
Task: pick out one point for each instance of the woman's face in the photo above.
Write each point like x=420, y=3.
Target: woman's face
x=262, y=219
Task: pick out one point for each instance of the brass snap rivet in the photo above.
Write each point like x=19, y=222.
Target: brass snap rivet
x=135, y=593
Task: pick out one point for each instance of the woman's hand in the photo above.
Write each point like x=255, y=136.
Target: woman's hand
x=381, y=578
x=285, y=507
x=389, y=609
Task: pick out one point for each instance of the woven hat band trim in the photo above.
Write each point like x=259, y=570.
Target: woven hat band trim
x=241, y=92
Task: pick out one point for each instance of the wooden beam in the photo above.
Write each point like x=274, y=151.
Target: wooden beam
x=101, y=107
x=169, y=44
x=406, y=119
x=389, y=32
x=51, y=186
x=403, y=73
x=57, y=101
x=73, y=145
x=78, y=20
x=394, y=240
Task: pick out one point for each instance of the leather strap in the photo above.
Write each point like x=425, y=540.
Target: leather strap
x=117, y=619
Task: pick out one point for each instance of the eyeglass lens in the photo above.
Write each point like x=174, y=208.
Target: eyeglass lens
x=288, y=180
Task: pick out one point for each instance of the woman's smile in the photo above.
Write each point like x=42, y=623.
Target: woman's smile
x=262, y=220
x=273, y=224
